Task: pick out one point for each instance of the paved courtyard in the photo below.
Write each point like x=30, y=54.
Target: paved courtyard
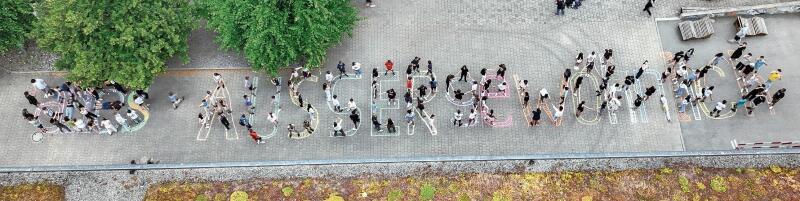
x=525, y=36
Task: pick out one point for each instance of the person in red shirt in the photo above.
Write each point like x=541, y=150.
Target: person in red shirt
x=255, y=136
x=389, y=67
x=409, y=83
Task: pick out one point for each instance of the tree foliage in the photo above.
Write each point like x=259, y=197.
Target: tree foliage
x=123, y=40
x=277, y=33
x=16, y=18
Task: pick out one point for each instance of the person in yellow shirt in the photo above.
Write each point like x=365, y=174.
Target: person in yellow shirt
x=773, y=76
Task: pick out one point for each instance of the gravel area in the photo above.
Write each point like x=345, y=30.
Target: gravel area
x=119, y=185
x=29, y=58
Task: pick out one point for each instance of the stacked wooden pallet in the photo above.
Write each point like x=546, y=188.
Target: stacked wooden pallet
x=756, y=24
x=702, y=28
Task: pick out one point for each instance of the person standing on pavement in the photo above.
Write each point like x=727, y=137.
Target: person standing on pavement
x=648, y=6
x=578, y=82
x=292, y=130
x=777, y=96
x=255, y=136
x=464, y=73
x=355, y=118
x=224, y=120
x=501, y=72
x=642, y=69
x=392, y=95
x=772, y=77
x=336, y=105
x=31, y=99
x=111, y=128
x=560, y=5
x=473, y=115
x=457, y=118
x=248, y=85
x=536, y=115
x=389, y=67
x=760, y=63
x=578, y=61
x=390, y=126
x=638, y=101
x=338, y=131
x=328, y=77
x=738, y=52
x=409, y=117
x=434, y=84
x=376, y=124
x=177, y=101
x=327, y=91
x=40, y=85
x=375, y=73
x=580, y=109
x=244, y=122
x=718, y=108
x=432, y=121
x=739, y=36
x=342, y=70
x=447, y=82
x=357, y=68
x=649, y=92
x=370, y=4
x=133, y=116
x=430, y=68
x=218, y=80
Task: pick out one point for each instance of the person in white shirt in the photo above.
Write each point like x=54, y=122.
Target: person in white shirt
x=357, y=68
x=121, y=120
x=133, y=116
x=558, y=113
x=80, y=125
x=139, y=100
x=457, y=118
x=328, y=77
x=718, y=108
x=472, y=116
x=272, y=118
x=433, y=124
x=110, y=127
x=336, y=105
x=474, y=87
x=218, y=80
x=543, y=95
x=40, y=85
x=523, y=85
x=590, y=59
x=295, y=73
x=502, y=87
x=351, y=105
x=664, y=106
x=614, y=104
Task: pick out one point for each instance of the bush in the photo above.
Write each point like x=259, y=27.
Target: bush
x=395, y=195
x=684, y=182
x=16, y=17
x=127, y=41
x=287, y=191
x=426, y=192
x=719, y=184
x=239, y=196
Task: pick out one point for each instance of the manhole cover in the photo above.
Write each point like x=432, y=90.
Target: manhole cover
x=37, y=137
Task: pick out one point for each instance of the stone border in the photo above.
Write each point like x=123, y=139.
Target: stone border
x=776, y=8
x=559, y=156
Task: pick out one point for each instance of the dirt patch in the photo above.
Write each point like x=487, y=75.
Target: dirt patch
x=35, y=191
x=676, y=183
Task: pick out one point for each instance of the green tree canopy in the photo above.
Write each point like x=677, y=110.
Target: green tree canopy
x=277, y=33
x=16, y=18
x=123, y=40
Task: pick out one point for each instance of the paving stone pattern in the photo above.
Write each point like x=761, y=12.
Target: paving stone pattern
x=523, y=35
